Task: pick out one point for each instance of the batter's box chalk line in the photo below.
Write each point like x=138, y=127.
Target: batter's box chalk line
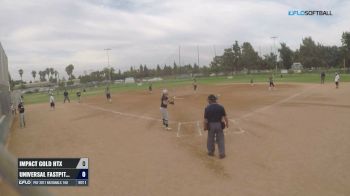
x=196, y=125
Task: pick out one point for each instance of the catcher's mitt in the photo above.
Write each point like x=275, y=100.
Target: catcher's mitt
x=172, y=102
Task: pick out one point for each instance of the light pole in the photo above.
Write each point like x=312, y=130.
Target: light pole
x=274, y=46
x=109, y=69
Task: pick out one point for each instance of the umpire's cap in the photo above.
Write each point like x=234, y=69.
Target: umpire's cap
x=212, y=97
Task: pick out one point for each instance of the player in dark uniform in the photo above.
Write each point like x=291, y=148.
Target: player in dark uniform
x=215, y=120
x=78, y=95
x=194, y=84
x=22, y=122
x=323, y=77
x=164, y=108
x=108, y=94
x=271, y=85
x=150, y=87
x=66, y=97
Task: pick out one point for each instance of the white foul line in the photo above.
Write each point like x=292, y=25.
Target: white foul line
x=262, y=109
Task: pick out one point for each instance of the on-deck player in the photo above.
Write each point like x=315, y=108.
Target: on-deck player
x=22, y=122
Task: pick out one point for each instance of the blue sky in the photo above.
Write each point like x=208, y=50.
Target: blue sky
x=38, y=33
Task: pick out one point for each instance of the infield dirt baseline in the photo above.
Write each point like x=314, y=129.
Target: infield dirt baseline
x=179, y=123
x=197, y=122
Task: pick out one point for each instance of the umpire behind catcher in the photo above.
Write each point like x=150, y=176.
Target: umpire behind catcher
x=214, y=115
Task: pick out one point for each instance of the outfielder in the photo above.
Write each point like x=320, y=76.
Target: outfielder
x=164, y=108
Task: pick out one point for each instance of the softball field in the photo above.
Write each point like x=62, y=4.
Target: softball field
x=289, y=141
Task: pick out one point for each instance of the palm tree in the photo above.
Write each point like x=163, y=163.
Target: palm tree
x=47, y=71
x=20, y=71
x=52, y=71
x=34, y=74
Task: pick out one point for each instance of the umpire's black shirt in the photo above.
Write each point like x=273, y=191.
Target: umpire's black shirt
x=214, y=112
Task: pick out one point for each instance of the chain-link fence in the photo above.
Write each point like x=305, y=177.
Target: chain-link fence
x=5, y=96
x=8, y=162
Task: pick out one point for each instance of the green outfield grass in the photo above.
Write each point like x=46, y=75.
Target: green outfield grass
x=171, y=82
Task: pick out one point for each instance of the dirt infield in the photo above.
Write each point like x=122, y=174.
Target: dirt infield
x=290, y=141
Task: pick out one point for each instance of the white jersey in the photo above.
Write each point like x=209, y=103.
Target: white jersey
x=52, y=99
x=337, y=78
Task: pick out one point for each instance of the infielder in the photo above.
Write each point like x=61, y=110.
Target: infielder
x=66, y=98
x=194, y=84
x=336, y=80
x=78, y=95
x=150, y=88
x=108, y=94
x=164, y=108
x=323, y=77
x=271, y=85
x=215, y=120
x=52, y=102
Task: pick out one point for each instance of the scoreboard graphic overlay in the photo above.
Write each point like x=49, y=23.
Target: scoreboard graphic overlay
x=53, y=171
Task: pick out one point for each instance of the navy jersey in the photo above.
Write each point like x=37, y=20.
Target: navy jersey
x=214, y=112
x=164, y=101
x=21, y=108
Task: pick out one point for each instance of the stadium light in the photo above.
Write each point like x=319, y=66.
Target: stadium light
x=107, y=52
x=274, y=46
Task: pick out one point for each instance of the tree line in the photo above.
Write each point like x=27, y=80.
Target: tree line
x=310, y=54
x=234, y=59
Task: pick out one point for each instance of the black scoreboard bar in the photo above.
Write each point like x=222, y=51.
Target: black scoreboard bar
x=53, y=172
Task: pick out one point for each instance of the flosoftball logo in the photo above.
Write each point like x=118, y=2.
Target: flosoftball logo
x=309, y=13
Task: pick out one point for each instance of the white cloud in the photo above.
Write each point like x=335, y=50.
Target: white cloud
x=37, y=34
